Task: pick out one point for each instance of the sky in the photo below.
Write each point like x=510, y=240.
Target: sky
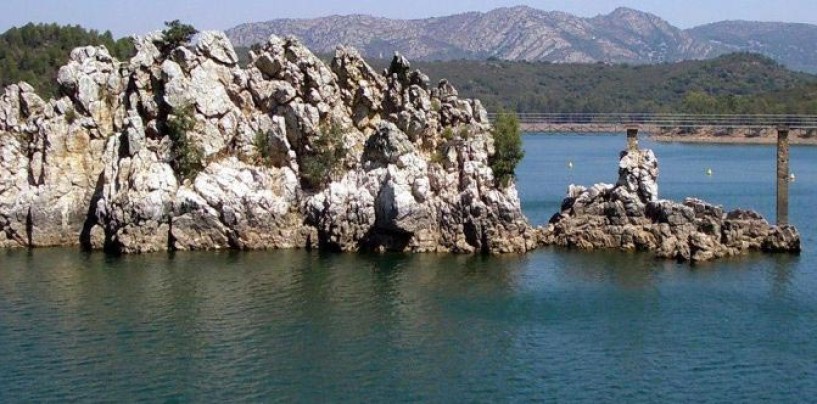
x=127, y=17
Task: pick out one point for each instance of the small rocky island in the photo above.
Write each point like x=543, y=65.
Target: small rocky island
x=181, y=148
x=629, y=216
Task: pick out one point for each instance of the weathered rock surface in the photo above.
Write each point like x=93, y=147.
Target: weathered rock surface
x=290, y=152
x=629, y=216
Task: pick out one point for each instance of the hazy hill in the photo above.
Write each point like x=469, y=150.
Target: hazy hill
x=794, y=45
x=517, y=33
x=525, y=33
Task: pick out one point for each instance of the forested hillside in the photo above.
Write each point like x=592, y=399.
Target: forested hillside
x=737, y=83
x=34, y=52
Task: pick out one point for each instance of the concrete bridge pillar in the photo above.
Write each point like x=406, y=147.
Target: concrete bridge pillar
x=782, y=175
x=632, y=138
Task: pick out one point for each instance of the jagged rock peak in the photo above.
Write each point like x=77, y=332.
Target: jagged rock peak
x=183, y=149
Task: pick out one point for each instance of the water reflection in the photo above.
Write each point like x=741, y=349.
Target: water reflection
x=782, y=272
x=310, y=326
x=627, y=270
x=307, y=325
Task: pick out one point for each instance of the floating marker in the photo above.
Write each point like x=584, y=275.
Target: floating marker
x=792, y=178
x=709, y=172
x=569, y=165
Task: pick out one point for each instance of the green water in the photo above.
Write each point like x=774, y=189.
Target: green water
x=555, y=325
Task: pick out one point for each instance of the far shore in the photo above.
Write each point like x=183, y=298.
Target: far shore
x=702, y=135
x=794, y=140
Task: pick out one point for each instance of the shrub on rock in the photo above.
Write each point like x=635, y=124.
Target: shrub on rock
x=508, y=144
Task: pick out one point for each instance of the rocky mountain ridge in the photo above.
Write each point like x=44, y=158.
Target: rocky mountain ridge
x=524, y=33
x=793, y=45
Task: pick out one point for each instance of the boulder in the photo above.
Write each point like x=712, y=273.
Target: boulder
x=215, y=45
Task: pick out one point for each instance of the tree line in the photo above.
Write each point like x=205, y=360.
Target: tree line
x=34, y=52
x=739, y=83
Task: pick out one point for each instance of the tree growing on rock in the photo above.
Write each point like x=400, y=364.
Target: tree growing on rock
x=508, y=144
x=325, y=159
x=176, y=34
x=187, y=156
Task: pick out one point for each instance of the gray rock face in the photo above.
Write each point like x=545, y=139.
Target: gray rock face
x=524, y=33
x=216, y=45
x=511, y=33
x=629, y=216
x=188, y=151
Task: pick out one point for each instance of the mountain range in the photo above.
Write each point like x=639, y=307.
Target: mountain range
x=524, y=33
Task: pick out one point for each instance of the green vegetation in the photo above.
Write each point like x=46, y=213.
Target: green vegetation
x=187, y=156
x=439, y=156
x=262, y=144
x=325, y=158
x=440, y=153
x=71, y=115
x=448, y=134
x=176, y=34
x=736, y=83
x=508, y=144
x=33, y=53
x=435, y=105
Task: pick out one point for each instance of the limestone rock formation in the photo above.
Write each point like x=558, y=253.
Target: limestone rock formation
x=187, y=150
x=629, y=216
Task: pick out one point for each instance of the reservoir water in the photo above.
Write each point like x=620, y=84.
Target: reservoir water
x=555, y=325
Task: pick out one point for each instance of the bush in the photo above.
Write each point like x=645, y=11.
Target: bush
x=71, y=116
x=448, y=134
x=325, y=158
x=176, y=34
x=440, y=156
x=187, y=156
x=508, y=144
x=262, y=144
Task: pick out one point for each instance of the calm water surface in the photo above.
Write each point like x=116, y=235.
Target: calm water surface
x=555, y=324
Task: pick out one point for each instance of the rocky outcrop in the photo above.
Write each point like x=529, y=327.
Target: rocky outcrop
x=629, y=216
x=187, y=150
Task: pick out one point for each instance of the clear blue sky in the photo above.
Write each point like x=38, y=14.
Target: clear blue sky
x=125, y=17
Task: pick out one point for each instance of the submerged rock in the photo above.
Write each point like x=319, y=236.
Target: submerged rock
x=629, y=216
x=187, y=150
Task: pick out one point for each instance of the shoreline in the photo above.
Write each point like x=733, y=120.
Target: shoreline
x=736, y=140
x=708, y=135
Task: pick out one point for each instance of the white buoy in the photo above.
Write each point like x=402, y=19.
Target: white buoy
x=792, y=178
x=569, y=165
x=709, y=172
